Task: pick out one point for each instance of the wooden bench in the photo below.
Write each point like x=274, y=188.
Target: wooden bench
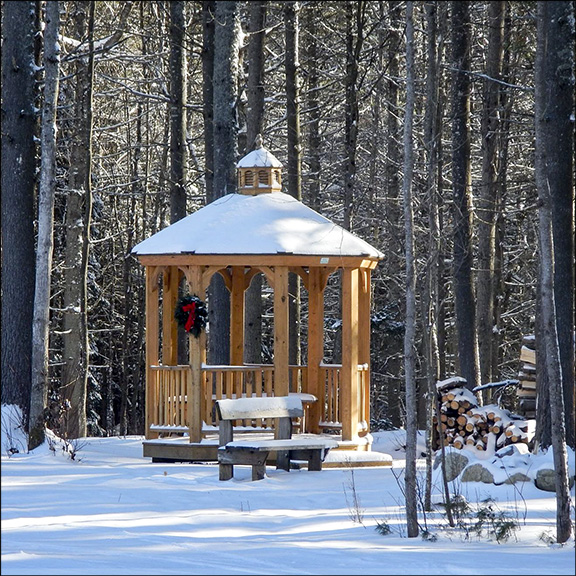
x=255, y=452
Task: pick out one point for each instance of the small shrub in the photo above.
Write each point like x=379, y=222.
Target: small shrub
x=548, y=538
x=14, y=432
x=355, y=510
x=494, y=522
x=383, y=528
x=429, y=536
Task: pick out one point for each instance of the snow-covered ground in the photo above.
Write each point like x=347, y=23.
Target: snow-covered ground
x=111, y=511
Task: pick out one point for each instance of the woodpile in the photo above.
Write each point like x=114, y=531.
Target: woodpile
x=527, y=376
x=460, y=422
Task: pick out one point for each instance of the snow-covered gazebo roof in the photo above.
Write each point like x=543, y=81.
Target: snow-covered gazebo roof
x=274, y=223
x=259, y=220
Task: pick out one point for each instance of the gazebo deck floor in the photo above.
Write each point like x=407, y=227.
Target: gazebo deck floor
x=180, y=449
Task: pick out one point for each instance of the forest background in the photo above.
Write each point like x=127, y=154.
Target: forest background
x=440, y=132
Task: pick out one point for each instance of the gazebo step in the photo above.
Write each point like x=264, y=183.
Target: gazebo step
x=359, y=444
x=355, y=459
x=165, y=450
x=178, y=449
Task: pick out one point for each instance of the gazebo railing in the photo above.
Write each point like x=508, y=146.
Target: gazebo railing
x=167, y=394
x=330, y=408
x=225, y=381
x=167, y=397
x=331, y=416
x=168, y=391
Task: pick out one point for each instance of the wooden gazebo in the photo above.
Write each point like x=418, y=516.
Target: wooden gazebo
x=259, y=230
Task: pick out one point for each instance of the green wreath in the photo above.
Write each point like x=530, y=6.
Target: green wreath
x=191, y=314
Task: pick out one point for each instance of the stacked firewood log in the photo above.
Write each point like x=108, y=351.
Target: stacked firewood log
x=527, y=376
x=459, y=421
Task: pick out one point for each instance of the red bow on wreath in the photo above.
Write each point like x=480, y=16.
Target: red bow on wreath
x=191, y=309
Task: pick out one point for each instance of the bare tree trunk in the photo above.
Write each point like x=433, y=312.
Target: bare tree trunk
x=255, y=91
x=409, y=335
x=226, y=50
x=311, y=15
x=393, y=239
x=74, y=379
x=45, y=244
x=501, y=290
x=561, y=172
x=178, y=133
x=131, y=367
x=376, y=144
x=208, y=28
x=18, y=182
x=430, y=302
x=354, y=40
x=552, y=113
x=254, y=123
x=294, y=172
x=177, y=112
x=461, y=182
x=489, y=201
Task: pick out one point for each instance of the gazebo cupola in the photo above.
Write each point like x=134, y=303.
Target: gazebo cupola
x=259, y=172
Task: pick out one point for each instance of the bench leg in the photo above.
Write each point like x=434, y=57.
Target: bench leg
x=283, y=460
x=226, y=471
x=315, y=460
x=258, y=471
x=314, y=457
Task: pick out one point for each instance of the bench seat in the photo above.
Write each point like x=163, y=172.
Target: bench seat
x=255, y=452
x=294, y=443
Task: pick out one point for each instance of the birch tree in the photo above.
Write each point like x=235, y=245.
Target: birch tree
x=45, y=243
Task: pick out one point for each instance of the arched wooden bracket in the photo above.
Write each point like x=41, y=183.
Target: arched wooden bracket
x=155, y=272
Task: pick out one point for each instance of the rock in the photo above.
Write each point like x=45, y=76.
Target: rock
x=455, y=463
x=546, y=480
x=517, y=477
x=477, y=473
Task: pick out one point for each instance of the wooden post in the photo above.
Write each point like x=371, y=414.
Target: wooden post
x=349, y=381
x=364, y=340
x=152, y=340
x=237, y=316
x=315, y=347
x=170, y=282
x=196, y=356
x=281, y=360
x=281, y=350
